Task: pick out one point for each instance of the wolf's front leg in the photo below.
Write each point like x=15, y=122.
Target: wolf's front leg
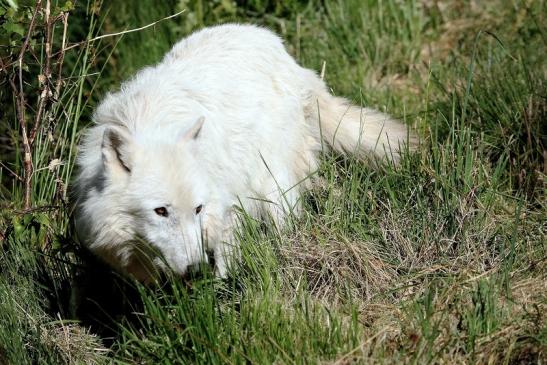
x=222, y=241
x=226, y=255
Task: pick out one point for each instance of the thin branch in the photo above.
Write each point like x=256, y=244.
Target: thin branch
x=61, y=58
x=45, y=94
x=20, y=105
x=124, y=32
x=30, y=29
x=38, y=209
x=11, y=171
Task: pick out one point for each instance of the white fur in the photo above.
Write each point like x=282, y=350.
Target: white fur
x=227, y=118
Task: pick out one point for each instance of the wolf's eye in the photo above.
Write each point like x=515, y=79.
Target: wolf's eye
x=162, y=211
x=199, y=208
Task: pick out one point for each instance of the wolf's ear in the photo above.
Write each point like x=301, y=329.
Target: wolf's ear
x=115, y=150
x=193, y=132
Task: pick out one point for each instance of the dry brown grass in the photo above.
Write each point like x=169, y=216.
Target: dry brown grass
x=75, y=344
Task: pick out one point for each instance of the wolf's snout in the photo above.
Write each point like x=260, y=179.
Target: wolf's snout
x=193, y=271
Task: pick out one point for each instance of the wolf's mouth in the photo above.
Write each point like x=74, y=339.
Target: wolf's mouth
x=199, y=271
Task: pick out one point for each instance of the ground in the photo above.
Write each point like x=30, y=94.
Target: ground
x=441, y=259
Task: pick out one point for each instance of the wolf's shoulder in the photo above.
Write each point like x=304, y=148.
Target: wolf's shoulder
x=220, y=39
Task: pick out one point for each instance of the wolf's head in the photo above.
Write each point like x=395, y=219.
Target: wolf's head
x=155, y=200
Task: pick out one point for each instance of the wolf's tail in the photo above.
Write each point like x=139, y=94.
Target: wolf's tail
x=362, y=131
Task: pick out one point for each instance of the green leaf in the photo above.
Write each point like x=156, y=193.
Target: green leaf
x=68, y=6
x=14, y=28
x=17, y=226
x=43, y=219
x=12, y=4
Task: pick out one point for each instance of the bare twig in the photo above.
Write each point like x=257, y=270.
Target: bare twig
x=123, y=32
x=60, y=59
x=43, y=208
x=45, y=94
x=20, y=105
x=11, y=171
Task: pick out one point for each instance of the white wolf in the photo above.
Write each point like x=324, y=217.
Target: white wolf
x=227, y=118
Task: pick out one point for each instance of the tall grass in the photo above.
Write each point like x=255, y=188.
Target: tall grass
x=439, y=259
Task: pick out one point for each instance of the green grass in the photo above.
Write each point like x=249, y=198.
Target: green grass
x=441, y=259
